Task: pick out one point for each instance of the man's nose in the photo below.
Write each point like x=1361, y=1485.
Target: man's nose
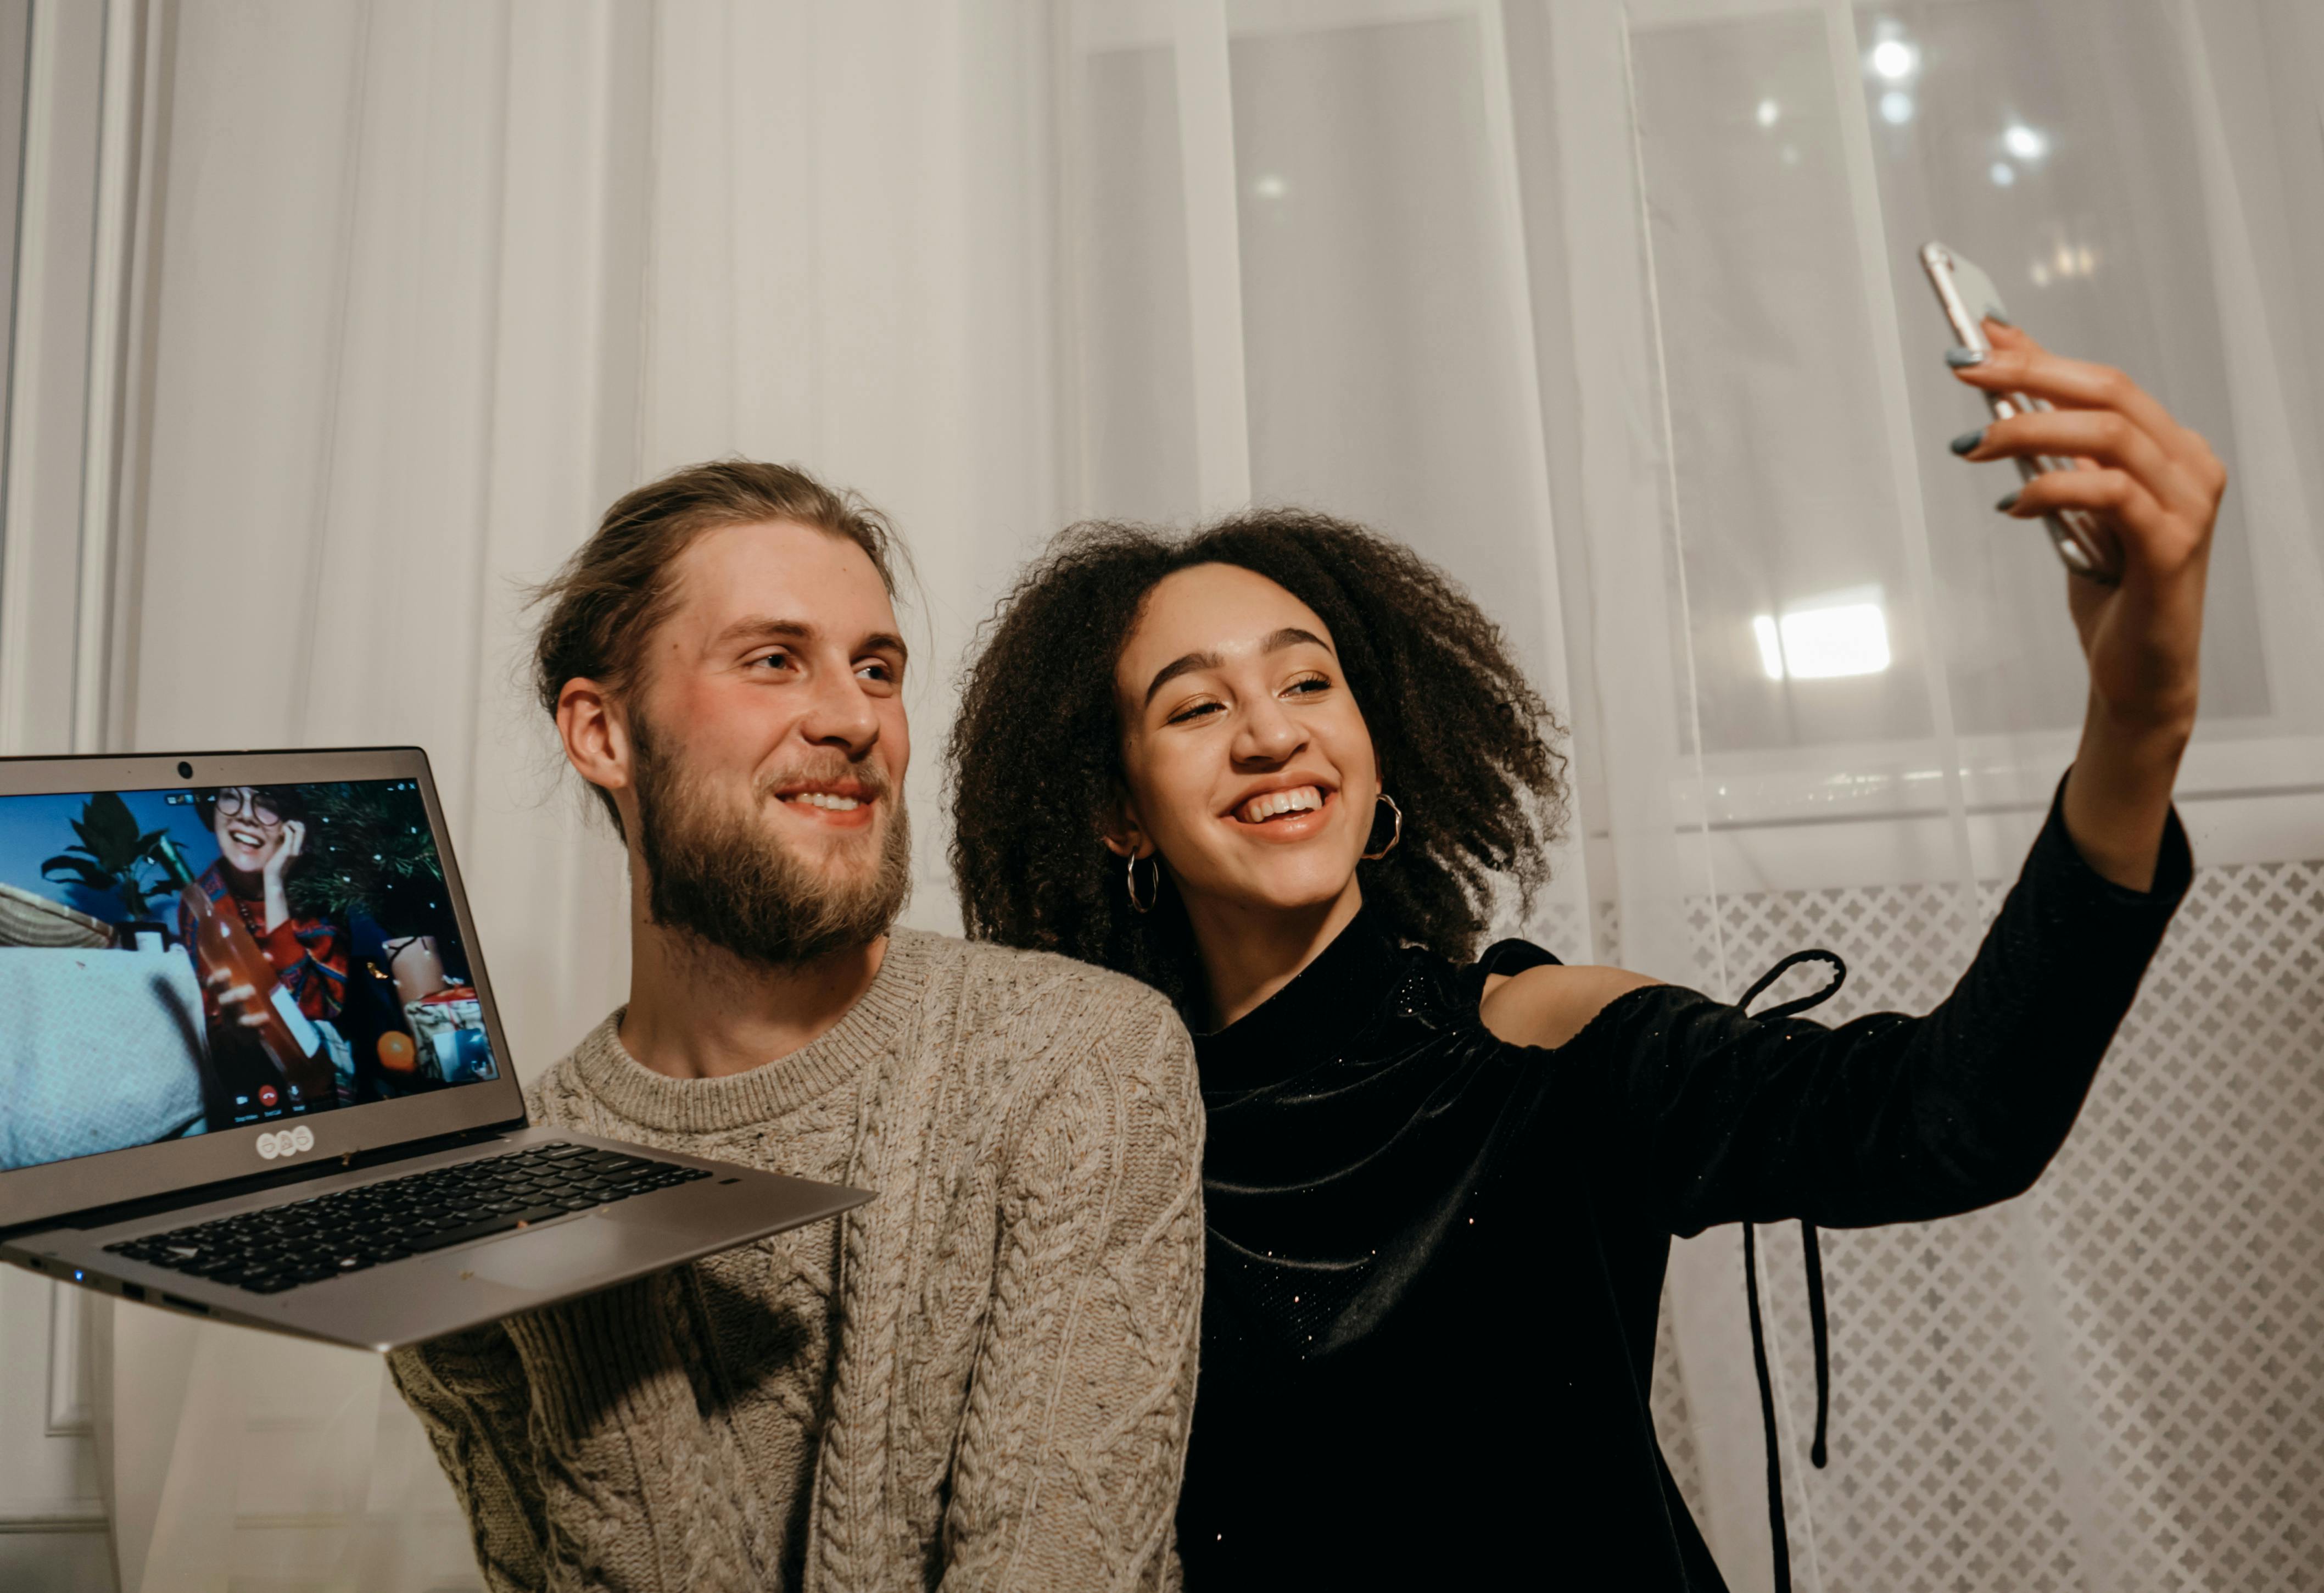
x=842, y=716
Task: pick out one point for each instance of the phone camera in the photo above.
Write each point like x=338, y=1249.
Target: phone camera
x=185, y=771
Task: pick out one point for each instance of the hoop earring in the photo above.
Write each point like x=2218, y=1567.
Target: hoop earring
x=1129, y=875
x=1395, y=834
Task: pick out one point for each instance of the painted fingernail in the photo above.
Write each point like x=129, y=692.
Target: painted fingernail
x=1966, y=443
x=2005, y=505
x=1992, y=312
x=1961, y=358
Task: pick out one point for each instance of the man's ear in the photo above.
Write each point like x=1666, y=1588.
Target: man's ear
x=596, y=738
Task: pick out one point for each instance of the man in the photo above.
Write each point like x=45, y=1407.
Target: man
x=983, y=1378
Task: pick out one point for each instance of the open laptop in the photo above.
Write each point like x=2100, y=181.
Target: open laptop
x=250, y=1067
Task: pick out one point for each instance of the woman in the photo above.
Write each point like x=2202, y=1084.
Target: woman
x=1274, y=771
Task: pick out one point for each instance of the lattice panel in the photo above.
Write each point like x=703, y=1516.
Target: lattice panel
x=2116, y=1382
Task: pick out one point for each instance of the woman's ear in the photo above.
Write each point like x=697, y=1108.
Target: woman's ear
x=1123, y=836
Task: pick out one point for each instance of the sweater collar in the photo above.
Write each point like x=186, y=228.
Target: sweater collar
x=870, y=1029
x=1326, y=1005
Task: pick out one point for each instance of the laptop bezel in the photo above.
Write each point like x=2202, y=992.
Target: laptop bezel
x=57, y=1189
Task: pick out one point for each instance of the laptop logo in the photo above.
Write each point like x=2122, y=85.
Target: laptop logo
x=288, y=1142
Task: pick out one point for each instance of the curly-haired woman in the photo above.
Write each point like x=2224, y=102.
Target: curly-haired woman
x=1275, y=769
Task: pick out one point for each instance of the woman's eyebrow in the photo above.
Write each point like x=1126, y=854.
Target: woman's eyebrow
x=1292, y=636
x=1179, y=666
x=1288, y=637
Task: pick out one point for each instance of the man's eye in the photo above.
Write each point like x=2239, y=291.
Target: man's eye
x=780, y=661
x=875, y=671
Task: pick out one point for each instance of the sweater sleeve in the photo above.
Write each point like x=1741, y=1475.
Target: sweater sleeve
x=1074, y=1439
x=469, y=1392
x=577, y=1439
x=1890, y=1118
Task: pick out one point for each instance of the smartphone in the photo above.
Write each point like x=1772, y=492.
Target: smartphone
x=1966, y=295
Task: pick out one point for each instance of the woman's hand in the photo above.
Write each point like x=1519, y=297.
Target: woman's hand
x=2155, y=487
x=276, y=864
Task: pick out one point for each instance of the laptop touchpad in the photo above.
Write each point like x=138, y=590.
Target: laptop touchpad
x=569, y=1253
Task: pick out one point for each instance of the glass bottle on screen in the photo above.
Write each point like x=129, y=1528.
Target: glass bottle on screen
x=222, y=941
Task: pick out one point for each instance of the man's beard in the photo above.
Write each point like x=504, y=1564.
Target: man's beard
x=721, y=876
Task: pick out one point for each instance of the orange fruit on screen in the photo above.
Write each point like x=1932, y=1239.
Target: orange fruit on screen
x=396, y=1054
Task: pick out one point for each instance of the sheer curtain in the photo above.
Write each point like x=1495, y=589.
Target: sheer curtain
x=1610, y=309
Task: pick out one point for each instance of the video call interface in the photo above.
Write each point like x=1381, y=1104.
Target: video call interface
x=178, y=962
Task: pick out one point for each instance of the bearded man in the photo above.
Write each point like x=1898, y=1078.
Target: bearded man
x=985, y=1375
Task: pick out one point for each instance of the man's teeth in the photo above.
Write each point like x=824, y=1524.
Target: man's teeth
x=1260, y=809
x=823, y=798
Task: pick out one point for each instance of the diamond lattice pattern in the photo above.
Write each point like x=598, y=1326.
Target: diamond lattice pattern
x=2116, y=1382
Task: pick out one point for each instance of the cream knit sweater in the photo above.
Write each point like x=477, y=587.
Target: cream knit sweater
x=982, y=1379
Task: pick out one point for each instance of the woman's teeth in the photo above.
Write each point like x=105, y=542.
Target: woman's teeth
x=823, y=798
x=1260, y=809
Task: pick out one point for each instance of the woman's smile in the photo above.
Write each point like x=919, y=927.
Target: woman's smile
x=1279, y=814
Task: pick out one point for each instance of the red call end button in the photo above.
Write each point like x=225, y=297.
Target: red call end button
x=266, y=1096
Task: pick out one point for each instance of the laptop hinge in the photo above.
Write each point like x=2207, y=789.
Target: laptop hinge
x=178, y=1199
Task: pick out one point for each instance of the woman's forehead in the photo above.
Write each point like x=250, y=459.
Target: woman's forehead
x=1221, y=608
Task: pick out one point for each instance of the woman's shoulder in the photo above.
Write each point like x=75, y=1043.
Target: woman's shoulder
x=1548, y=1005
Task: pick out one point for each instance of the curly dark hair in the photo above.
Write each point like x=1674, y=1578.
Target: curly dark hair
x=1035, y=759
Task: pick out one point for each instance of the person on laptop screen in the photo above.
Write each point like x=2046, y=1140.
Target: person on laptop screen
x=179, y=962
x=988, y=1371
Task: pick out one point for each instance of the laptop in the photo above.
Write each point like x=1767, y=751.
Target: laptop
x=250, y=1069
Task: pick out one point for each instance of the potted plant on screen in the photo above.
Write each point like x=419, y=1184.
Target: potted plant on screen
x=114, y=855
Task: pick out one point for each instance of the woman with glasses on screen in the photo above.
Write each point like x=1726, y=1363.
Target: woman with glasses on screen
x=1279, y=769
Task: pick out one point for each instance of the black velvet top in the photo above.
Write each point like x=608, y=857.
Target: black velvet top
x=1435, y=1258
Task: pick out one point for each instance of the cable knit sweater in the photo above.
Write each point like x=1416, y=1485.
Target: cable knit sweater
x=982, y=1379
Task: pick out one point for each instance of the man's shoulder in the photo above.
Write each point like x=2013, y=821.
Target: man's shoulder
x=1006, y=986
x=558, y=1096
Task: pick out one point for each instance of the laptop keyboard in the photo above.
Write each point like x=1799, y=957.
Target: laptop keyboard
x=280, y=1248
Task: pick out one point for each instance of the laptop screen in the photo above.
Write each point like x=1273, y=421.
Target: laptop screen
x=174, y=963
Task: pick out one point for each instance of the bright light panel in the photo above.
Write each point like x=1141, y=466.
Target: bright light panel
x=1845, y=639
x=1771, y=646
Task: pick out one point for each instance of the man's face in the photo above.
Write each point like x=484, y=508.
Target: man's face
x=770, y=747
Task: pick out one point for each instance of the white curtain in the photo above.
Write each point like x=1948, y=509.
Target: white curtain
x=1612, y=311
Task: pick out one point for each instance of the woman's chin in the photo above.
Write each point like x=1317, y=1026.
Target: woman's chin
x=1291, y=892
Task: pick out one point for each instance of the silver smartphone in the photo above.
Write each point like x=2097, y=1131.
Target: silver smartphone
x=1967, y=296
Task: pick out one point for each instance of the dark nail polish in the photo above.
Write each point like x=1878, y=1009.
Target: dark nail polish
x=1961, y=358
x=2005, y=505
x=1966, y=443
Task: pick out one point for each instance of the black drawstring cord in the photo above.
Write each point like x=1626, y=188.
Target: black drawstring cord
x=1817, y=1332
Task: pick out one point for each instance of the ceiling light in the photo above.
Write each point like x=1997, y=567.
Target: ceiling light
x=1895, y=107
x=2025, y=143
x=1767, y=113
x=2002, y=174
x=1894, y=59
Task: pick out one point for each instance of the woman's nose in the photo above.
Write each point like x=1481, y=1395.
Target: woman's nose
x=1268, y=734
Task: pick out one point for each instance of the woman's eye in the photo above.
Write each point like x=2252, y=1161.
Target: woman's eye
x=1308, y=683
x=1193, y=711
x=875, y=671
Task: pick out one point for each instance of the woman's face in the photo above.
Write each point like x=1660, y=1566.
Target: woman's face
x=1249, y=765
x=248, y=829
